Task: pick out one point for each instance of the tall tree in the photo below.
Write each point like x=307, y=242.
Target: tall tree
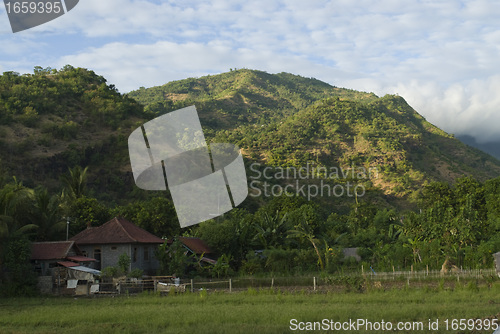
x=75, y=183
x=304, y=231
x=47, y=215
x=15, y=203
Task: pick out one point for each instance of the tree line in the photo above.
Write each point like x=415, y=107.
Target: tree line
x=456, y=224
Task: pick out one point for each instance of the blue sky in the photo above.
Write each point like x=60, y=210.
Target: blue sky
x=442, y=56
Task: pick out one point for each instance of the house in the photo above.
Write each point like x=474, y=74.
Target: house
x=48, y=255
x=351, y=252
x=61, y=266
x=106, y=243
x=197, y=247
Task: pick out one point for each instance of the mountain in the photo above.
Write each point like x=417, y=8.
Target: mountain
x=492, y=148
x=287, y=120
x=242, y=97
x=55, y=119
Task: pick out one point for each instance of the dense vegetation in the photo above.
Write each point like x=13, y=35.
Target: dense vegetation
x=288, y=120
x=51, y=120
x=431, y=200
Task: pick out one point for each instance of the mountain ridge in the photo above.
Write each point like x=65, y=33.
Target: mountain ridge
x=52, y=120
x=409, y=150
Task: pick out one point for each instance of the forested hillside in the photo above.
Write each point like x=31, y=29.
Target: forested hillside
x=288, y=120
x=53, y=120
x=426, y=197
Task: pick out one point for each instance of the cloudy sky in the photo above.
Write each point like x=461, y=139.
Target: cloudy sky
x=442, y=56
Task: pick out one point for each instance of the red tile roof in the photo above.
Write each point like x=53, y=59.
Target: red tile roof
x=50, y=250
x=68, y=264
x=196, y=245
x=81, y=259
x=116, y=231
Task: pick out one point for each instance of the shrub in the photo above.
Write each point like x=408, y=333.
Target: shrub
x=20, y=277
x=136, y=273
x=109, y=272
x=124, y=263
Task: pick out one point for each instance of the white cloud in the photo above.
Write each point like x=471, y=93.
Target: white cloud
x=472, y=108
x=131, y=66
x=442, y=56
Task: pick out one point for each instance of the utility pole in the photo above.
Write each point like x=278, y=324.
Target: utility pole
x=67, y=229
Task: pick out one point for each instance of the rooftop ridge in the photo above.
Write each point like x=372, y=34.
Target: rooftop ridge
x=119, y=221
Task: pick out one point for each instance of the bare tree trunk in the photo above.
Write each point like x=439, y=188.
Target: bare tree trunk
x=319, y=255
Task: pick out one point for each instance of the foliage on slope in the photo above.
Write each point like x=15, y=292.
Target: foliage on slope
x=52, y=120
x=288, y=120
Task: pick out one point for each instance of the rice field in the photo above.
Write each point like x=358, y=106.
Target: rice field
x=256, y=311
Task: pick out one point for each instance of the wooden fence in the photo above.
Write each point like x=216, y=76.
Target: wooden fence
x=169, y=284
x=431, y=274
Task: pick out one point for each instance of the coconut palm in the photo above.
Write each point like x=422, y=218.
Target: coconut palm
x=15, y=203
x=75, y=182
x=46, y=214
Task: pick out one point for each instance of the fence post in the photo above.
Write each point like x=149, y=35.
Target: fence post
x=272, y=282
x=192, y=285
x=155, y=287
x=314, y=283
x=230, y=285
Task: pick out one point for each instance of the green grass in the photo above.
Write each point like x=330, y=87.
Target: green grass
x=253, y=311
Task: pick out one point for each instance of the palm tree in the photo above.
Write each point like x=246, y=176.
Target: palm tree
x=303, y=231
x=414, y=244
x=270, y=230
x=75, y=182
x=15, y=203
x=47, y=216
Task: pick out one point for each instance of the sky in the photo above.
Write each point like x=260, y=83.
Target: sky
x=442, y=56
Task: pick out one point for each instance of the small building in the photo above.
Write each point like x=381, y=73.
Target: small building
x=48, y=255
x=106, y=243
x=197, y=247
x=62, y=268
x=351, y=252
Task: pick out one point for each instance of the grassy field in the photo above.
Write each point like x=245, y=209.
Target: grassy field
x=252, y=311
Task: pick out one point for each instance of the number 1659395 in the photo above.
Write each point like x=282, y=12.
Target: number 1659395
x=32, y=7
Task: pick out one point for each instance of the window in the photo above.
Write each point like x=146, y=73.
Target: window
x=146, y=254
x=134, y=255
x=97, y=256
x=113, y=248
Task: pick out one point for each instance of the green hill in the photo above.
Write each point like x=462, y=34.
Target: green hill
x=52, y=120
x=287, y=120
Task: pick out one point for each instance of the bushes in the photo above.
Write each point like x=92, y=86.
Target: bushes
x=19, y=277
x=124, y=263
x=290, y=260
x=65, y=131
x=122, y=269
